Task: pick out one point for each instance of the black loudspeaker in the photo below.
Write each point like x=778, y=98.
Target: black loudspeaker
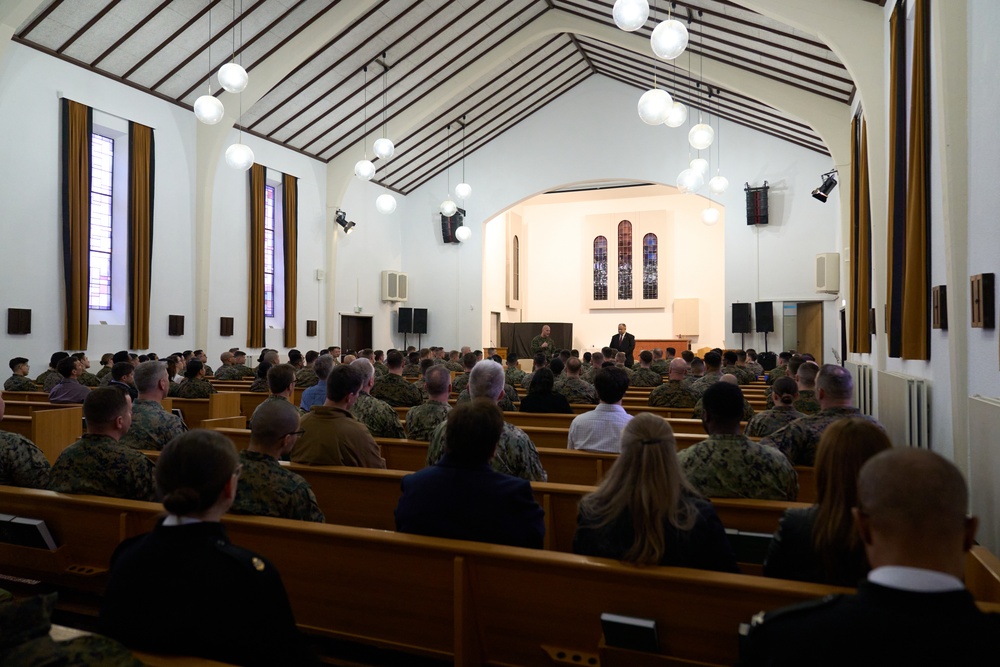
x=419, y=320
x=764, y=312
x=405, y=321
x=741, y=318
x=449, y=225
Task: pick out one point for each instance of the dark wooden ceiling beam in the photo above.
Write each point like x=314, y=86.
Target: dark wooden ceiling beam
x=136, y=28
x=177, y=33
x=44, y=14
x=88, y=25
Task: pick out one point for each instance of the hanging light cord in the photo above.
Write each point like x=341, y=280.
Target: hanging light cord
x=463, y=148
x=364, y=113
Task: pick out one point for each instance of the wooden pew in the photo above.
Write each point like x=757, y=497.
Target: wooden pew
x=29, y=396
x=27, y=408
x=197, y=410
x=51, y=430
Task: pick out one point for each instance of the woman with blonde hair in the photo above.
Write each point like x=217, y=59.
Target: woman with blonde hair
x=646, y=513
x=820, y=543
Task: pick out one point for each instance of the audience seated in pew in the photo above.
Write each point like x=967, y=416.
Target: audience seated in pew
x=152, y=426
x=21, y=462
x=195, y=385
x=184, y=588
x=785, y=393
x=123, y=376
x=259, y=383
x=69, y=389
x=423, y=419
x=316, y=394
x=18, y=380
x=600, y=429
x=542, y=398
x=281, y=386
x=381, y=420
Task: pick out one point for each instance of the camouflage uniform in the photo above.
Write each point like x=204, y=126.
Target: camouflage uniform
x=152, y=426
x=505, y=404
x=806, y=403
x=742, y=375
x=19, y=383
x=514, y=376
x=104, y=371
x=454, y=367
x=270, y=399
x=733, y=466
x=267, y=488
x=22, y=463
x=40, y=380
x=51, y=381
x=536, y=346
x=689, y=381
x=208, y=370
x=423, y=419
x=755, y=368
x=380, y=369
x=516, y=454
x=98, y=465
x=412, y=371
x=172, y=389
x=645, y=377
x=459, y=383
x=526, y=381
x=229, y=373
x=88, y=379
x=260, y=385
x=195, y=388
x=673, y=394
x=306, y=378
x=245, y=370
x=706, y=381
x=776, y=372
x=378, y=416
x=576, y=390
x=798, y=440
x=748, y=411
x=661, y=366
x=767, y=422
x=396, y=391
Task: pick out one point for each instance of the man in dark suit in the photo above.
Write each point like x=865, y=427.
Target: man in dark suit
x=913, y=609
x=624, y=342
x=462, y=497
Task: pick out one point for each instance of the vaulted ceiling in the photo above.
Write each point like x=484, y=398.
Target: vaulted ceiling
x=400, y=52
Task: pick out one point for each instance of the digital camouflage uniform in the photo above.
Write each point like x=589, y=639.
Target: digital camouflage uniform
x=514, y=376
x=51, y=381
x=172, y=389
x=245, y=371
x=516, y=454
x=104, y=371
x=748, y=411
x=267, y=488
x=776, y=372
x=229, y=373
x=645, y=377
x=460, y=382
x=689, y=381
x=767, y=422
x=423, y=419
x=412, y=371
x=505, y=404
x=22, y=463
x=536, y=346
x=755, y=368
x=672, y=394
x=799, y=439
x=454, y=367
x=195, y=388
x=260, y=385
x=100, y=466
x=88, y=379
x=19, y=383
x=806, y=403
x=526, y=381
x=306, y=378
x=152, y=426
x=576, y=390
x=396, y=391
x=208, y=370
x=661, y=366
x=741, y=374
x=706, y=381
x=378, y=416
x=40, y=380
x=733, y=466
x=380, y=369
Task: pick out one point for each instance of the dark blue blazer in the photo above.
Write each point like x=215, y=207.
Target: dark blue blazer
x=476, y=503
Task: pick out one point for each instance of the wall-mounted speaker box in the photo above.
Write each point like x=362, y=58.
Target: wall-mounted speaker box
x=404, y=322
x=311, y=328
x=764, y=312
x=419, y=320
x=741, y=318
x=226, y=326
x=18, y=321
x=828, y=273
x=450, y=224
x=395, y=286
x=686, y=321
x=175, y=325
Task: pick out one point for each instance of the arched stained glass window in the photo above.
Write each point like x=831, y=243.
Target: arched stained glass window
x=650, y=275
x=624, y=260
x=516, y=278
x=600, y=269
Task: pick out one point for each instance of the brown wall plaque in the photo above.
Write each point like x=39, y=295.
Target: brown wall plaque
x=18, y=321
x=983, y=301
x=939, y=307
x=225, y=326
x=311, y=328
x=176, y=325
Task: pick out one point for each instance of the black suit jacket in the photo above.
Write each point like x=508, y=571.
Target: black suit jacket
x=627, y=345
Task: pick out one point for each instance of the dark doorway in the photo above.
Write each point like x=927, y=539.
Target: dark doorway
x=355, y=332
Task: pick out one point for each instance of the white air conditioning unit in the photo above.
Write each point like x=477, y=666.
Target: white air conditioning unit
x=395, y=286
x=828, y=273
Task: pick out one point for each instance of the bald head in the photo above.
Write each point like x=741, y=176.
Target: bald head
x=835, y=386
x=272, y=430
x=678, y=369
x=730, y=378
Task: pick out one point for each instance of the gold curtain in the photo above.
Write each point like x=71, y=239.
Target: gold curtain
x=77, y=126
x=896, y=223
x=861, y=232
x=140, y=231
x=255, y=309
x=290, y=208
x=916, y=283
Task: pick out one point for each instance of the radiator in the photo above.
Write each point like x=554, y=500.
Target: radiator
x=862, y=374
x=903, y=408
x=984, y=424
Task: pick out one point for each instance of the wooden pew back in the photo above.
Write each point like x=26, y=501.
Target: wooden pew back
x=197, y=410
x=52, y=431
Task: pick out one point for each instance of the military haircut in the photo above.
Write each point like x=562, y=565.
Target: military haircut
x=672, y=351
x=311, y=356
x=729, y=357
x=723, y=403
x=343, y=380
x=473, y=430
x=280, y=377
x=646, y=357
x=120, y=356
x=17, y=361
x=294, y=355
x=273, y=420
x=147, y=375
x=365, y=368
x=713, y=360
x=121, y=370
x=573, y=365
x=193, y=368
x=807, y=373
x=394, y=359
x=835, y=381
x=103, y=405
x=539, y=360
x=686, y=355
x=611, y=384
x=323, y=365
x=436, y=379
x=425, y=364
x=468, y=360
x=56, y=358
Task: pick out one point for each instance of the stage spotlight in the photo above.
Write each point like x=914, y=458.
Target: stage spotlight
x=829, y=183
x=343, y=222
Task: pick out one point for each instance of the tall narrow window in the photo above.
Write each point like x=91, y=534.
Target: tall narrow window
x=650, y=277
x=625, y=260
x=517, y=269
x=600, y=269
x=102, y=154
x=269, y=251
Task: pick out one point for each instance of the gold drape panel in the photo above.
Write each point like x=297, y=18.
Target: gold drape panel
x=861, y=233
x=77, y=126
x=290, y=208
x=896, y=222
x=255, y=309
x=140, y=231
x=916, y=280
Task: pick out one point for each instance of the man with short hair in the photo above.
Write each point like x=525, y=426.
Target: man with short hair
x=18, y=380
x=195, y=385
x=573, y=387
x=752, y=362
x=123, y=377
x=240, y=362
x=645, y=376
x=913, y=608
x=306, y=377
x=380, y=418
x=392, y=388
x=411, y=367
x=98, y=464
x=730, y=360
x=331, y=435
x=461, y=497
x=674, y=393
x=228, y=371
x=779, y=370
x=316, y=394
x=86, y=378
x=624, y=342
x=22, y=463
x=730, y=465
x=280, y=386
x=454, y=362
x=804, y=373
x=152, y=426
x=713, y=372
x=335, y=353
x=379, y=363
x=120, y=357
x=798, y=440
x=468, y=361
x=203, y=358
x=600, y=429
x=748, y=411
x=423, y=419
x=659, y=364
x=791, y=369
x=69, y=390
x=513, y=373
x=516, y=454
x=543, y=343
x=596, y=363
x=539, y=361
x=266, y=487
x=52, y=376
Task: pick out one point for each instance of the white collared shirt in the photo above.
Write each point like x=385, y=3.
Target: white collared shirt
x=915, y=579
x=175, y=520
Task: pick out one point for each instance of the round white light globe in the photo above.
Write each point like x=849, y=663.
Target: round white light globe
x=701, y=136
x=233, y=77
x=669, y=39
x=677, y=115
x=463, y=233
x=239, y=156
x=718, y=184
x=463, y=191
x=654, y=105
x=710, y=216
x=689, y=180
x=630, y=15
x=385, y=203
x=208, y=109
x=448, y=208
x=384, y=148
x=364, y=169
x=700, y=165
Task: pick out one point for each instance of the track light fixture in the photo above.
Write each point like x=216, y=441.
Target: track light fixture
x=342, y=220
x=829, y=183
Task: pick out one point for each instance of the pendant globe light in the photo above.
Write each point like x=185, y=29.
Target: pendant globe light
x=701, y=135
x=689, y=180
x=630, y=15
x=677, y=115
x=463, y=190
x=710, y=215
x=669, y=39
x=463, y=233
x=448, y=207
x=700, y=165
x=364, y=169
x=385, y=203
x=208, y=108
x=239, y=156
x=655, y=104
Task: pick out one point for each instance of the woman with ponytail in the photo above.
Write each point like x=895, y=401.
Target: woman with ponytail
x=785, y=392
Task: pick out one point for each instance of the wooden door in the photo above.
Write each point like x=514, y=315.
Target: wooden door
x=810, y=329
x=355, y=332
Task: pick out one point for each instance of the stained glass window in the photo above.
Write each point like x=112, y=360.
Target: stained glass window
x=269, y=251
x=600, y=269
x=625, y=260
x=102, y=155
x=650, y=278
x=517, y=269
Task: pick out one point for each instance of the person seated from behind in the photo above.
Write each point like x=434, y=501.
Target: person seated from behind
x=21, y=462
x=542, y=398
x=18, y=380
x=423, y=419
x=152, y=426
x=600, y=429
x=784, y=393
x=69, y=389
x=380, y=418
x=675, y=392
x=393, y=388
x=184, y=588
x=513, y=373
x=51, y=377
x=460, y=381
x=574, y=387
x=748, y=411
x=107, y=361
x=538, y=361
x=316, y=394
x=280, y=385
x=461, y=497
x=645, y=376
x=645, y=512
x=259, y=383
x=195, y=385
